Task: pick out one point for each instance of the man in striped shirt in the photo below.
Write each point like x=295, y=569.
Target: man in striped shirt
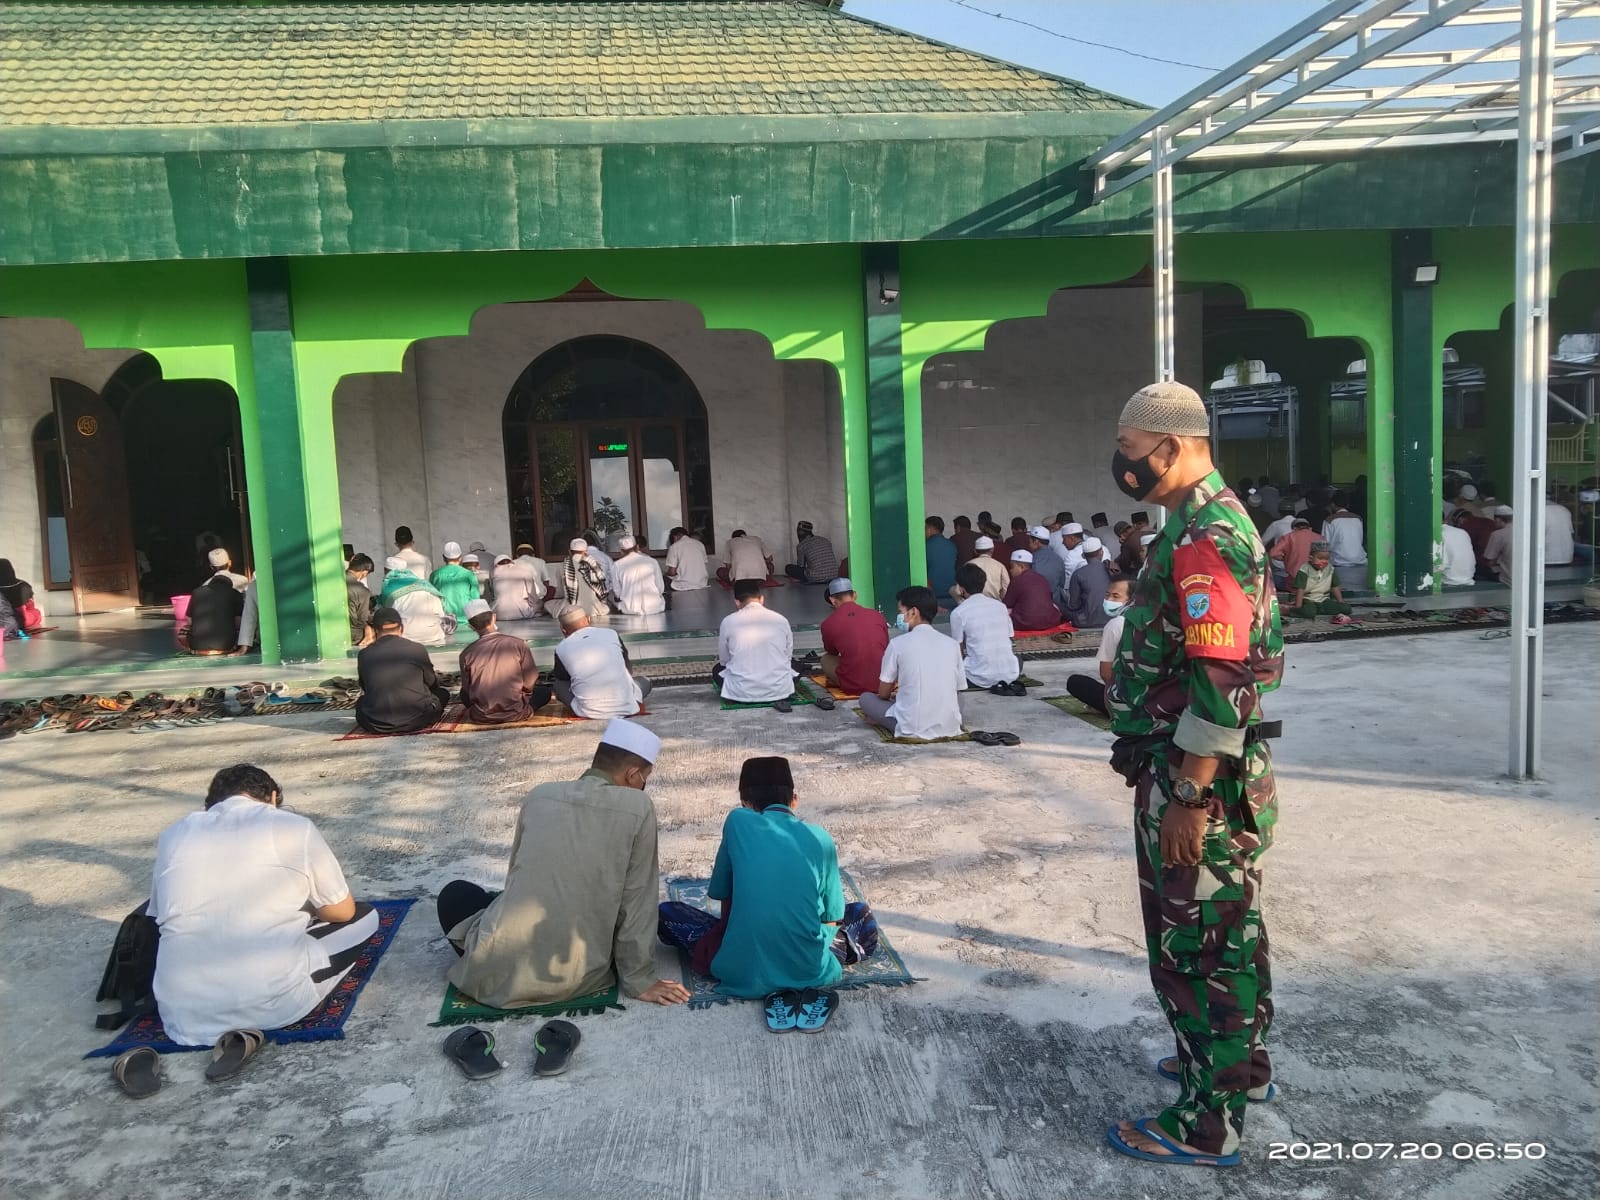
x=818, y=563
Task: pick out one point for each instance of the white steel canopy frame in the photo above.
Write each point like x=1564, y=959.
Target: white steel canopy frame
x=1416, y=73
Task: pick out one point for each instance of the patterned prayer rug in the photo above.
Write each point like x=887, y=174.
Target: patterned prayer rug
x=453, y=721
x=1064, y=627
x=324, y=1023
x=1077, y=708
x=885, y=736
x=884, y=966
x=461, y=1009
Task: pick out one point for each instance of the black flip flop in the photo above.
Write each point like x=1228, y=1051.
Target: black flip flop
x=984, y=737
x=554, y=1045
x=1006, y=739
x=232, y=1051
x=824, y=701
x=138, y=1072
x=472, y=1049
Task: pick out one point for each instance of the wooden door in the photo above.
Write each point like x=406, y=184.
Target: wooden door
x=99, y=520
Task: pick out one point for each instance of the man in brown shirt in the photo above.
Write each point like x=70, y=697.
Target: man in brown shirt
x=499, y=682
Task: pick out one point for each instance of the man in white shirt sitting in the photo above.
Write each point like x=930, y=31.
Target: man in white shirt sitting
x=1559, y=544
x=981, y=626
x=591, y=675
x=517, y=587
x=1071, y=547
x=1086, y=688
x=257, y=922
x=640, y=589
x=405, y=549
x=1457, y=563
x=755, y=650
x=927, y=668
x=686, y=561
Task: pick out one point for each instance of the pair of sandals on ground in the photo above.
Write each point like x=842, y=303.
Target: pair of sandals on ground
x=472, y=1049
x=138, y=1071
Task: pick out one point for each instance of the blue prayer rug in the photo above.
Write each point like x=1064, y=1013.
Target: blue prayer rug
x=884, y=966
x=323, y=1023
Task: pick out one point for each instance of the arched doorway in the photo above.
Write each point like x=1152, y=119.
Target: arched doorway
x=608, y=433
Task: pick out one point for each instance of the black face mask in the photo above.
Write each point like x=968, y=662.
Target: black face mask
x=1144, y=476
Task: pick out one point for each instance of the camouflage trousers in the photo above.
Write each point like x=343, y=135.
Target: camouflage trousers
x=1208, y=950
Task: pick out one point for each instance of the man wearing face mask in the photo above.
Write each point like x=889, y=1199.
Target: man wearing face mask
x=1200, y=647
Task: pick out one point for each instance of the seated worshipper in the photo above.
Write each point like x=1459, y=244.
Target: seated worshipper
x=853, y=641
x=744, y=557
x=405, y=548
x=816, y=561
x=597, y=553
x=1496, y=555
x=784, y=924
x=1457, y=563
x=517, y=588
x=641, y=590
x=455, y=583
x=1086, y=688
x=1070, y=549
x=400, y=691
x=578, y=912
x=257, y=922
x=592, y=675
x=922, y=676
x=418, y=602
x=1316, y=588
x=981, y=626
x=480, y=562
x=1346, y=537
x=1466, y=498
x=686, y=561
x=359, y=598
x=941, y=557
x=1559, y=544
x=1001, y=550
x=18, y=593
x=249, y=620
x=583, y=580
x=1087, y=590
x=1028, y=596
x=499, y=682
x=1100, y=527
x=996, y=577
x=222, y=564
x=1282, y=525
x=1293, y=550
x=1019, y=534
x=1048, y=563
x=965, y=538
x=755, y=650
x=214, y=611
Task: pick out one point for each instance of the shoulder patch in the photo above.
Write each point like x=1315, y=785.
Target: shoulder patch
x=1215, y=611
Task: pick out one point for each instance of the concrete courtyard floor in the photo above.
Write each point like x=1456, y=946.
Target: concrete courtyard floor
x=1433, y=928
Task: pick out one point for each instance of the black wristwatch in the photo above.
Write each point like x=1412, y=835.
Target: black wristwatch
x=1189, y=793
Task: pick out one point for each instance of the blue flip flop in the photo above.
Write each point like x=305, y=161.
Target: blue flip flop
x=816, y=1006
x=1178, y=1156
x=1272, y=1088
x=782, y=1011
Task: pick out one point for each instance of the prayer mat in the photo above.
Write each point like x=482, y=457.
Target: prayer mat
x=1077, y=708
x=883, y=966
x=821, y=681
x=453, y=722
x=1024, y=680
x=885, y=736
x=1064, y=627
x=767, y=582
x=323, y=1023
x=800, y=695
x=461, y=1009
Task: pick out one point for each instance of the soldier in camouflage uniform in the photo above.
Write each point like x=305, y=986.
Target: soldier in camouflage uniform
x=1200, y=647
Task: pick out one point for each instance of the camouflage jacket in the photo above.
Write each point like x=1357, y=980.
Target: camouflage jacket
x=1202, y=641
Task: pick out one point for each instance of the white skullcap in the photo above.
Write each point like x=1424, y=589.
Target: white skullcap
x=1167, y=407
x=577, y=545
x=1502, y=510
x=1021, y=556
x=840, y=587
x=394, y=564
x=1468, y=492
x=476, y=608
x=984, y=543
x=218, y=558
x=1090, y=544
x=1040, y=532
x=626, y=542
x=501, y=558
x=1071, y=527
x=452, y=549
x=636, y=739
x=468, y=558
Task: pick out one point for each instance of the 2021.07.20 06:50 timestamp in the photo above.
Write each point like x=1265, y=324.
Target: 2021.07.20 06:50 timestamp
x=1404, y=1151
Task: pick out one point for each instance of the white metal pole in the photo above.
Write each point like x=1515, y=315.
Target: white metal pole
x=1535, y=128
x=1165, y=284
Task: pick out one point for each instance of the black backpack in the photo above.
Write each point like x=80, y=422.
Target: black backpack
x=130, y=973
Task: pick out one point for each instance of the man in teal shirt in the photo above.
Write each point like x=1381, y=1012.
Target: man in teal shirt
x=784, y=924
x=457, y=585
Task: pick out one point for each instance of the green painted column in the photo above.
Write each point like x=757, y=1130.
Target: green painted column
x=1418, y=398
x=293, y=593
x=894, y=565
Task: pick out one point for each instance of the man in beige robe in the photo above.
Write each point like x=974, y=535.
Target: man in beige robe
x=579, y=907
x=995, y=576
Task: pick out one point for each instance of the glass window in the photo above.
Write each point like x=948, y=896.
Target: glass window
x=611, y=482
x=663, y=482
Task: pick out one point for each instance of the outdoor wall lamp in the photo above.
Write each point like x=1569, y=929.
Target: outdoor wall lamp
x=1425, y=274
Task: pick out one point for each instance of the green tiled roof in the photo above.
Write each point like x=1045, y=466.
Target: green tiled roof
x=176, y=65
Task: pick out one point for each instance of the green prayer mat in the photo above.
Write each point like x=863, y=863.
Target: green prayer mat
x=1072, y=706
x=801, y=695
x=461, y=1009
x=1024, y=680
x=885, y=736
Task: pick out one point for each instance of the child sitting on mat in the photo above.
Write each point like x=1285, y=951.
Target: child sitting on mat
x=790, y=927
